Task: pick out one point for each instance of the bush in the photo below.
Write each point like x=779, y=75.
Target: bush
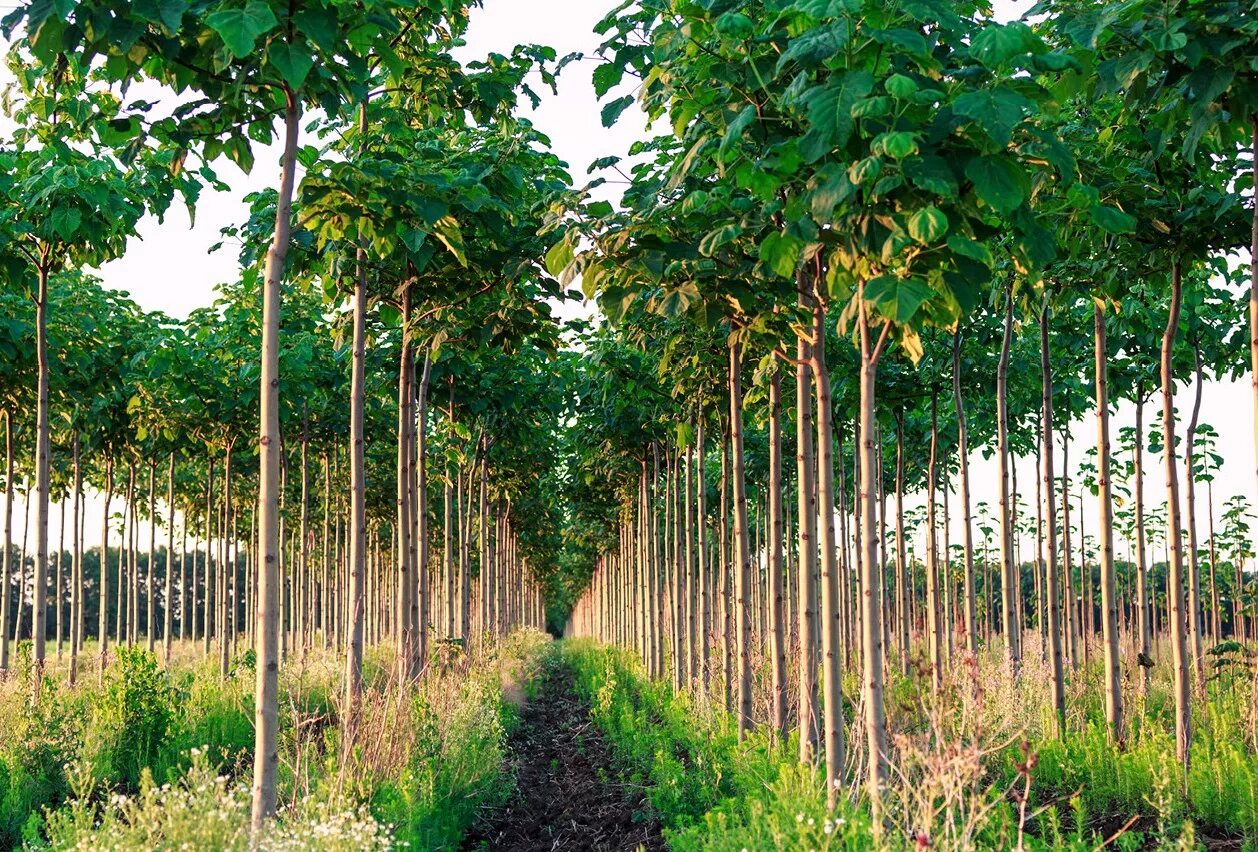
x=130, y=718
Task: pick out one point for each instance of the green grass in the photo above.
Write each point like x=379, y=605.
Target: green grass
x=957, y=782
x=155, y=758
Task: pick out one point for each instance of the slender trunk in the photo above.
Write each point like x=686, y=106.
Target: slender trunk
x=1175, y=577
x=1142, y=573
x=741, y=549
x=358, y=488
x=76, y=571
x=39, y=593
x=871, y=603
x=806, y=564
x=903, y=574
x=1051, y=580
x=967, y=530
x=169, y=585
x=1010, y=621
x=102, y=629
x=265, y=752
x=407, y=661
x=1195, y=625
x=831, y=623
x=935, y=638
x=777, y=636
x=1109, y=606
x=6, y=556
x=419, y=511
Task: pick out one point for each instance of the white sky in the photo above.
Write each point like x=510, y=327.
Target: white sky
x=170, y=270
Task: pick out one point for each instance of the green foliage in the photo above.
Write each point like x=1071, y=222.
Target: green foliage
x=130, y=718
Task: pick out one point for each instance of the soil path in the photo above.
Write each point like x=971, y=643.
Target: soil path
x=567, y=796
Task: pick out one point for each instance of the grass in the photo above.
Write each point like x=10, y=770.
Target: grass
x=977, y=765
x=156, y=758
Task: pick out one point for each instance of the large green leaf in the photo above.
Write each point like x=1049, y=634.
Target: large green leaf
x=998, y=111
x=293, y=61
x=897, y=299
x=1112, y=219
x=781, y=253
x=995, y=44
x=928, y=225
x=999, y=181
x=241, y=28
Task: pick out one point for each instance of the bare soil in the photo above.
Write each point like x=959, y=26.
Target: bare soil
x=567, y=795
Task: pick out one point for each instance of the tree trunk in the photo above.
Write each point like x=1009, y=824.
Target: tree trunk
x=831, y=623
x=1145, y=622
x=967, y=529
x=6, y=556
x=1051, y=580
x=871, y=603
x=39, y=594
x=407, y=662
x=933, y=627
x=1109, y=589
x=1175, y=577
x=169, y=586
x=419, y=512
x=777, y=636
x=806, y=564
x=266, y=620
x=102, y=630
x=741, y=550
x=1195, y=625
x=1010, y=620
x=358, y=489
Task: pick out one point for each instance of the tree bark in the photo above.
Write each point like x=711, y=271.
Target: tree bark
x=1010, y=619
x=806, y=585
x=777, y=635
x=871, y=604
x=266, y=620
x=1109, y=589
x=39, y=594
x=1175, y=578
x=831, y=616
x=1051, y=580
x=741, y=554
x=1195, y=626
x=967, y=529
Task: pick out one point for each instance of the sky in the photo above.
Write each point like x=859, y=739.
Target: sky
x=170, y=269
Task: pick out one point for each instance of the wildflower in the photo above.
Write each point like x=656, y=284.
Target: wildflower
x=799, y=817
x=828, y=827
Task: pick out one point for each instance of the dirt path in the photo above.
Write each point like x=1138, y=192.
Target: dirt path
x=567, y=796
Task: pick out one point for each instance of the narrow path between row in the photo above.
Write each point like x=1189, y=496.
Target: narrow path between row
x=567, y=795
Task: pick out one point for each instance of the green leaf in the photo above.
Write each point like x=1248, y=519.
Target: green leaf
x=928, y=225
x=999, y=181
x=65, y=222
x=607, y=76
x=898, y=299
x=612, y=111
x=1112, y=219
x=900, y=86
x=735, y=25
x=997, y=111
x=240, y=28
x=560, y=257
x=293, y=61
x=932, y=174
x=967, y=247
x=713, y=240
x=864, y=171
x=781, y=253
x=995, y=44
x=899, y=144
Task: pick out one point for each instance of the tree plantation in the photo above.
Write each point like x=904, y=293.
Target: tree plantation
x=875, y=431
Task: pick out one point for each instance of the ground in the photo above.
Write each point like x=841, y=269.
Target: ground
x=567, y=795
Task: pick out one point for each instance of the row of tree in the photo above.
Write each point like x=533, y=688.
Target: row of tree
x=969, y=203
